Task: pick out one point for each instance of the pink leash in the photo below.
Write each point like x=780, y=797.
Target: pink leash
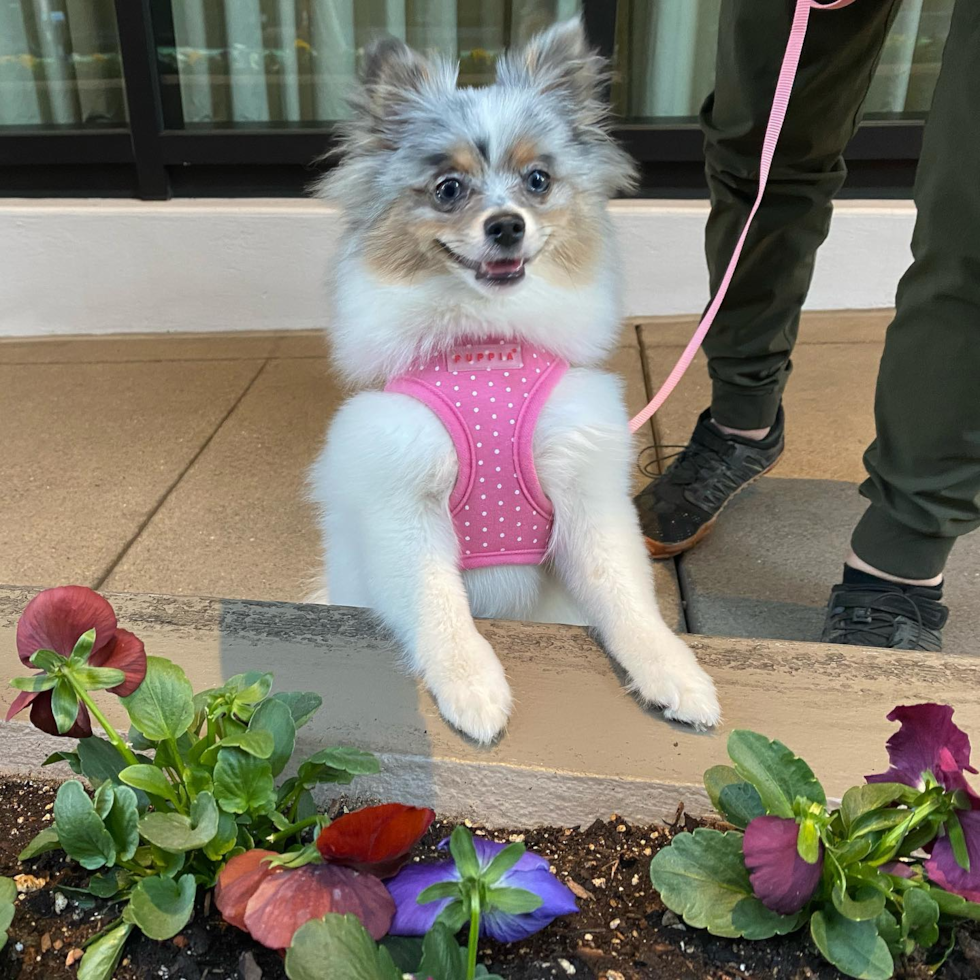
x=787, y=75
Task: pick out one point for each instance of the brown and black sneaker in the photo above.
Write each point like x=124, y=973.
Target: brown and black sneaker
x=679, y=508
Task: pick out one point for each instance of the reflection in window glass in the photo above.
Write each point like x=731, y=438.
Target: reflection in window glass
x=668, y=47
x=60, y=64
x=289, y=61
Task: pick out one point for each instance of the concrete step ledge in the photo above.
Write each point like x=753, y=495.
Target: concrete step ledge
x=578, y=747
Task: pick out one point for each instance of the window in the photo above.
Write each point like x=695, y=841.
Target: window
x=293, y=61
x=159, y=97
x=60, y=64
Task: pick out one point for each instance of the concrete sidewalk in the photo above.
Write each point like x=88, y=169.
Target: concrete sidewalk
x=176, y=465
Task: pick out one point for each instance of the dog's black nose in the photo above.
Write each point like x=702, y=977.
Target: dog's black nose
x=504, y=230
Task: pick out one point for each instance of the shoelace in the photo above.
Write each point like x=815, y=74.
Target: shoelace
x=693, y=460
x=884, y=624
x=651, y=470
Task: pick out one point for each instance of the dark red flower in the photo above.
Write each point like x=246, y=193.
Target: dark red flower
x=54, y=620
x=376, y=839
x=237, y=883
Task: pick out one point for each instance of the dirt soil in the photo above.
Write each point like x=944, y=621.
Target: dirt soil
x=623, y=932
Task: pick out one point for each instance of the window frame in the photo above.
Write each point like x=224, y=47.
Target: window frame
x=150, y=161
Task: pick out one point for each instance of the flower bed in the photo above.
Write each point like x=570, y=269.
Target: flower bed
x=193, y=843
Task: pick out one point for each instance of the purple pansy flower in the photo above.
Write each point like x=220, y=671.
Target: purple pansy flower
x=780, y=878
x=927, y=741
x=943, y=868
x=531, y=873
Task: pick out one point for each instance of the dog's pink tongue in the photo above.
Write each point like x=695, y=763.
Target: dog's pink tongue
x=503, y=267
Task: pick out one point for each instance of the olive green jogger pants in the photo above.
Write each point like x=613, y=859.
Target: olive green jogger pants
x=924, y=465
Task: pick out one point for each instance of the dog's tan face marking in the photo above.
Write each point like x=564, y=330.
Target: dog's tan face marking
x=466, y=159
x=398, y=247
x=523, y=154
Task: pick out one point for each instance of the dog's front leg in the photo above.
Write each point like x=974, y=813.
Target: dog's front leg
x=387, y=471
x=599, y=553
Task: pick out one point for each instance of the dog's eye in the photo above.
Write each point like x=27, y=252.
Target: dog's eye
x=538, y=181
x=449, y=191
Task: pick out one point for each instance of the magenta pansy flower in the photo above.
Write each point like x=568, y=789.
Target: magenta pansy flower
x=780, y=878
x=927, y=741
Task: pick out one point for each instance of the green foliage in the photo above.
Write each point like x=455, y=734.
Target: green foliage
x=163, y=823
x=860, y=916
x=8, y=895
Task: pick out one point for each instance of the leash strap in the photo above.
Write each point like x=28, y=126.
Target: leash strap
x=777, y=115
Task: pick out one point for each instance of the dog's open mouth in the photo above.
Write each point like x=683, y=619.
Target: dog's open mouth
x=497, y=272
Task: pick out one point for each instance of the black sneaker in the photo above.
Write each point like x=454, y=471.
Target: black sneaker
x=678, y=509
x=876, y=613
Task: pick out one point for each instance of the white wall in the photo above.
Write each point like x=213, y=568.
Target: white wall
x=111, y=266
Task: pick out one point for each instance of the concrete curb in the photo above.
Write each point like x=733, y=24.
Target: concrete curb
x=578, y=746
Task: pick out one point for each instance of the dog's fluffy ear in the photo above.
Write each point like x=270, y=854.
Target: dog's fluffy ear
x=395, y=79
x=560, y=61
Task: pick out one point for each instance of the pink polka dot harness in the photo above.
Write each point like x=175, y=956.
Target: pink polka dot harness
x=489, y=397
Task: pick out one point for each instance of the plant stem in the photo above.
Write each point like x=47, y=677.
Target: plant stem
x=474, y=937
x=121, y=747
x=294, y=828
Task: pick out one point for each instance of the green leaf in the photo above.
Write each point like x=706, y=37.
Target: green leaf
x=135, y=738
x=736, y=800
x=169, y=864
x=8, y=891
x=513, y=901
x=303, y=705
x=853, y=850
x=464, y=853
x=855, y=948
x=161, y=907
x=876, y=820
x=97, y=678
x=150, y=780
x=111, y=883
x=954, y=830
x=955, y=905
x=439, y=891
x=255, y=742
x=250, y=687
x=47, y=660
x=305, y=805
x=177, y=833
x=808, y=842
x=82, y=649
x=102, y=957
x=34, y=683
x=343, y=943
x=702, y=877
x=103, y=799
x=64, y=705
x=243, y=783
x=920, y=917
x=198, y=780
x=442, y=957
x=860, y=800
x=274, y=717
x=867, y=903
x=162, y=706
x=224, y=839
x=406, y=951
x=70, y=757
x=123, y=822
x=778, y=774
x=502, y=863
x=81, y=832
x=45, y=841
x=6, y=909
x=338, y=764
x=99, y=760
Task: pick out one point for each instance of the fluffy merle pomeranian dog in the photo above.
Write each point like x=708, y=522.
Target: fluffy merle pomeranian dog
x=482, y=467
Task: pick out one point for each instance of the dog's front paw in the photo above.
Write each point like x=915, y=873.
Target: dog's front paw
x=475, y=697
x=672, y=679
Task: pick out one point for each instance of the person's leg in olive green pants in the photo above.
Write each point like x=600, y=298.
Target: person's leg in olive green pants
x=750, y=343
x=924, y=466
